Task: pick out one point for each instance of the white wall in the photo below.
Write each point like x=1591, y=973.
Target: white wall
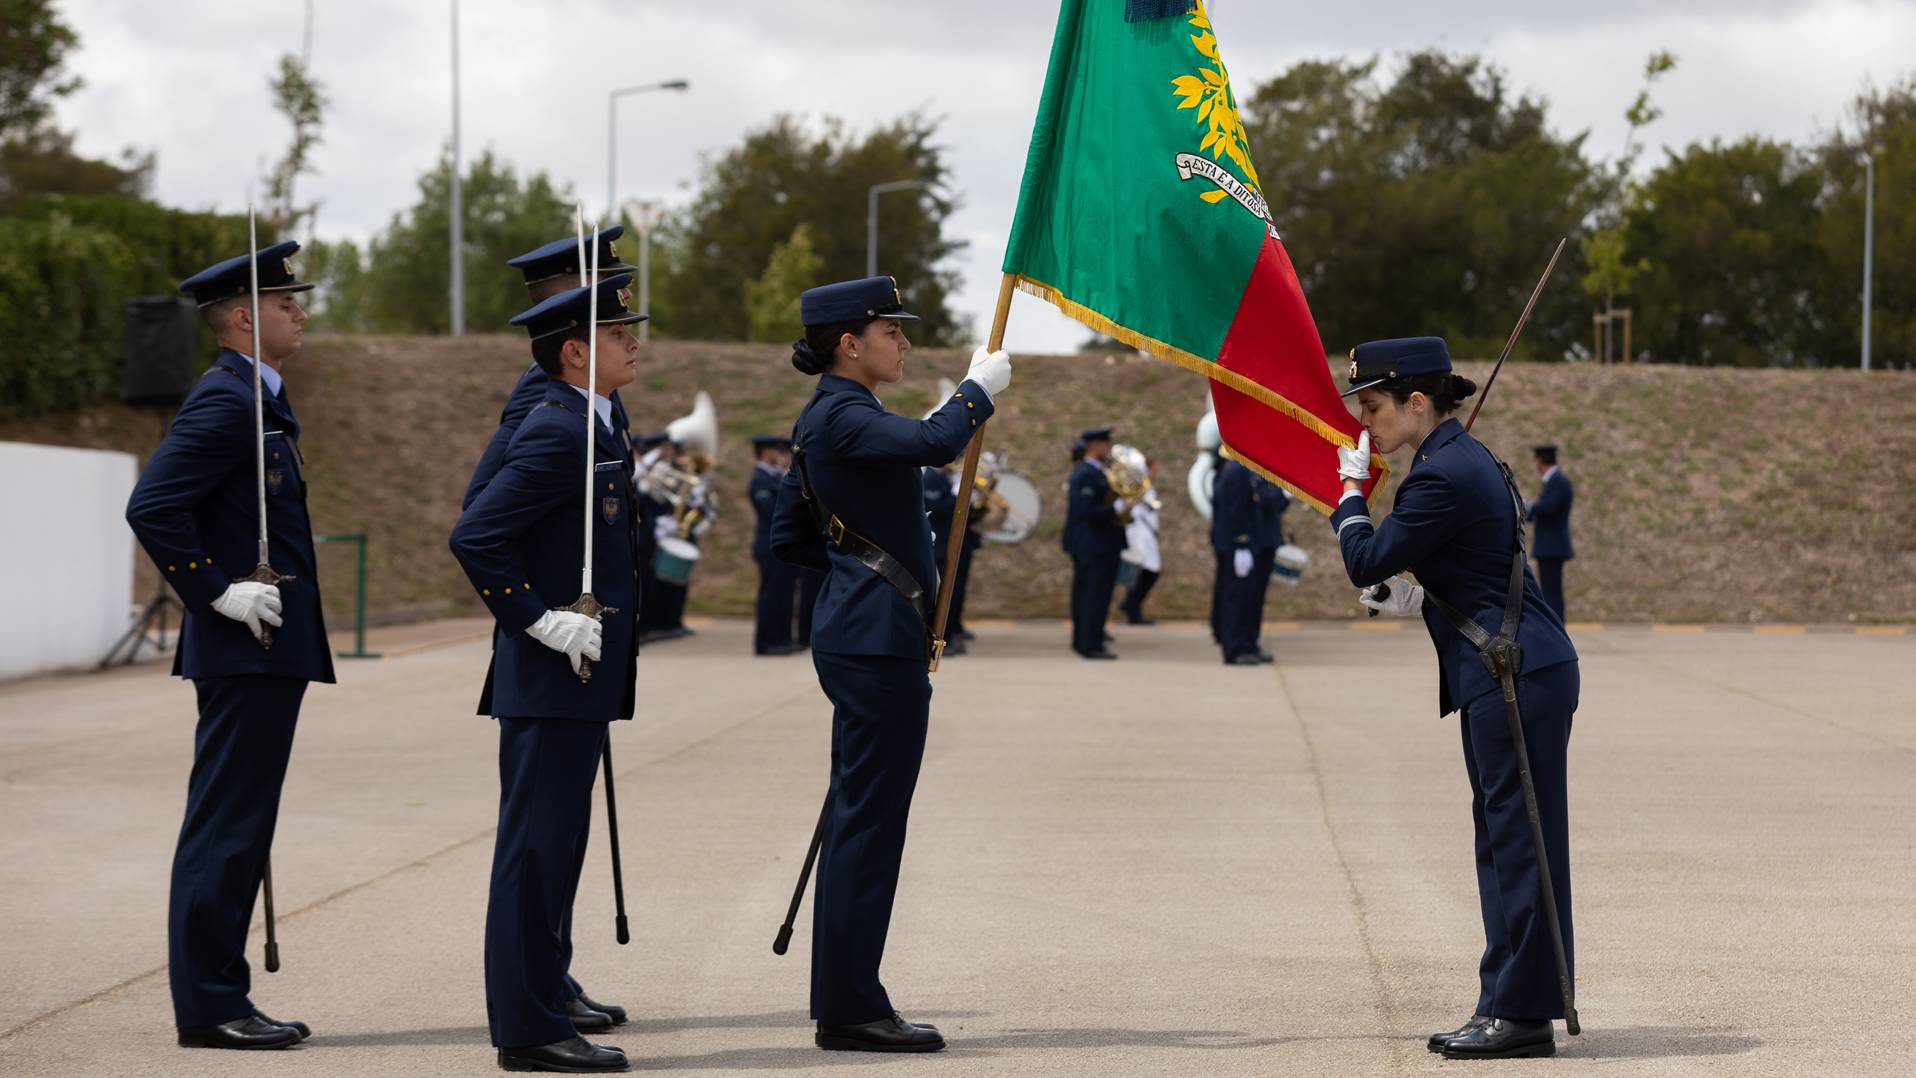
x=66, y=556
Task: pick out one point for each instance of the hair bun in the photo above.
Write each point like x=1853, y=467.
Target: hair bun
x=804, y=359
x=1461, y=387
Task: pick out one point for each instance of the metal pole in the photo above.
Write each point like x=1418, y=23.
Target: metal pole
x=612, y=136
x=871, y=217
x=458, y=241
x=645, y=264
x=1869, y=242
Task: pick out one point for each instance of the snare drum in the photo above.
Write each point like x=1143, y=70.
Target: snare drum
x=1289, y=565
x=673, y=563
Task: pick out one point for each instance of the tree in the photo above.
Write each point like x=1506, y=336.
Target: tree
x=302, y=100
x=1882, y=125
x=402, y=282
x=1428, y=205
x=1730, y=234
x=1613, y=268
x=34, y=43
x=753, y=196
x=771, y=301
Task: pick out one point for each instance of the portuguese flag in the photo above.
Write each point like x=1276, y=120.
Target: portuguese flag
x=1141, y=216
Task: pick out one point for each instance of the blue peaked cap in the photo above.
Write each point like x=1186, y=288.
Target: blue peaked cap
x=561, y=257
x=571, y=308
x=1376, y=362
x=853, y=301
x=225, y=280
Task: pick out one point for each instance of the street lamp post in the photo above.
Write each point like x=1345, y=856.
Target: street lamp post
x=648, y=216
x=612, y=132
x=871, y=217
x=1869, y=239
x=457, y=308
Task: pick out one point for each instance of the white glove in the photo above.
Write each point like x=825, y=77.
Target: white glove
x=569, y=633
x=1406, y=599
x=1355, y=463
x=991, y=370
x=1118, y=506
x=1241, y=562
x=251, y=602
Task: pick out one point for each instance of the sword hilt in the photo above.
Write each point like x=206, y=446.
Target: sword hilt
x=265, y=574
x=589, y=605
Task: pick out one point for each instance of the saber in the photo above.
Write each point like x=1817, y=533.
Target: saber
x=272, y=939
x=784, y=939
x=612, y=835
x=1516, y=331
x=587, y=603
x=263, y=572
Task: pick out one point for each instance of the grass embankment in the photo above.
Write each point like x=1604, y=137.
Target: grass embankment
x=1703, y=495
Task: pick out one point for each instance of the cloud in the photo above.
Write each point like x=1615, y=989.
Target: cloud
x=188, y=78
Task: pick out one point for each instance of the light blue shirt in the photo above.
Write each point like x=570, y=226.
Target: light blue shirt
x=270, y=379
x=601, y=404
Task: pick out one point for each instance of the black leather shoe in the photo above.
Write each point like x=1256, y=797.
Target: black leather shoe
x=1265, y=656
x=1101, y=653
x=574, y=1056
x=892, y=1034
x=1244, y=658
x=1501, y=1038
x=610, y=1010
x=1109, y=639
x=1137, y=620
x=296, y=1026
x=964, y=634
x=587, y=1018
x=1438, y=1040
x=249, y=1033
x=787, y=648
x=955, y=647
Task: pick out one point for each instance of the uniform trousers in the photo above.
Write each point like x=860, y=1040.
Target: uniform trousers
x=955, y=622
x=1094, y=577
x=1221, y=579
x=546, y=772
x=1550, y=582
x=881, y=707
x=240, y=749
x=777, y=583
x=1518, y=973
x=1135, y=595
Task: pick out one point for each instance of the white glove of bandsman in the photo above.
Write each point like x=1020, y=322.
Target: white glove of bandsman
x=570, y=633
x=991, y=370
x=1241, y=562
x=250, y=602
x=1404, y=597
x=1354, y=464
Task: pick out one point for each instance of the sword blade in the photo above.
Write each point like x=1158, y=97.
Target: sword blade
x=1516, y=331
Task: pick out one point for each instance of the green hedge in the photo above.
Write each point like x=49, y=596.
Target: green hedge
x=67, y=264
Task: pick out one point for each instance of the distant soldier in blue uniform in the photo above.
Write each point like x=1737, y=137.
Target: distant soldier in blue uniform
x=1455, y=525
x=1094, y=537
x=1234, y=539
x=777, y=581
x=550, y=270
x=521, y=544
x=853, y=507
x=941, y=501
x=196, y=512
x=1550, y=543
x=1268, y=531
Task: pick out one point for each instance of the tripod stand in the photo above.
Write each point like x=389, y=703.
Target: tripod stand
x=149, y=629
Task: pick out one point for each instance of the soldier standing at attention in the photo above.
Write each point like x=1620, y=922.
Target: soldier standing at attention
x=1550, y=542
x=196, y=511
x=777, y=581
x=1094, y=537
x=853, y=507
x=521, y=543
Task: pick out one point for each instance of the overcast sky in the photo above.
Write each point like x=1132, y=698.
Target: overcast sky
x=188, y=78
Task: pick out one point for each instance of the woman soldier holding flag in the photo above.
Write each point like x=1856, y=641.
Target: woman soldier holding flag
x=562, y=669
x=1457, y=525
x=852, y=507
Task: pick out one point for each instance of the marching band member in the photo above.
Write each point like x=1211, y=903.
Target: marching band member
x=1094, y=537
x=520, y=542
x=1456, y=524
x=1141, y=537
x=1234, y=535
x=853, y=507
x=777, y=581
x=196, y=512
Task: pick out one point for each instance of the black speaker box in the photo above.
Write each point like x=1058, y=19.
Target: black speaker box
x=161, y=335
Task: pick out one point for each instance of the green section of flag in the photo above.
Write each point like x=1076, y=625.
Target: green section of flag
x=1105, y=218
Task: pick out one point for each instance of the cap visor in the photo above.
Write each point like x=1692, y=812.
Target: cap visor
x=624, y=319
x=900, y=315
x=1363, y=386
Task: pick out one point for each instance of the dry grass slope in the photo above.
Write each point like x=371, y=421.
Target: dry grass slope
x=1702, y=495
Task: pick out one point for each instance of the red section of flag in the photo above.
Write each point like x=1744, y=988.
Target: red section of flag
x=1290, y=431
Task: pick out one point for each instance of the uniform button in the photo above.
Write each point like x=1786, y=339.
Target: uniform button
x=508, y=591
x=485, y=591
x=968, y=404
x=527, y=585
x=192, y=565
x=172, y=568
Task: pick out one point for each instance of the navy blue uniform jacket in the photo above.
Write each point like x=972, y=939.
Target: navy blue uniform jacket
x=1271, y=503
x=1453, y=526
x=1551, y=511
x=1233, y=508
x=864, y=463
x=196, y=511
x=521, y=544
x=764, y=490
x=527, y=395
x=1091, y=523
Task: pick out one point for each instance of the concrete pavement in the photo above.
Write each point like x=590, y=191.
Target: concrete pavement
x=1160, y=866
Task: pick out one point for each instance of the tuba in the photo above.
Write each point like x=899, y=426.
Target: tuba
x=1129, y=475
x=1204, y=469
x=686, y=483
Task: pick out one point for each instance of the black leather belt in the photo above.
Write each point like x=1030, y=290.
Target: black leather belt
x=866, y=552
